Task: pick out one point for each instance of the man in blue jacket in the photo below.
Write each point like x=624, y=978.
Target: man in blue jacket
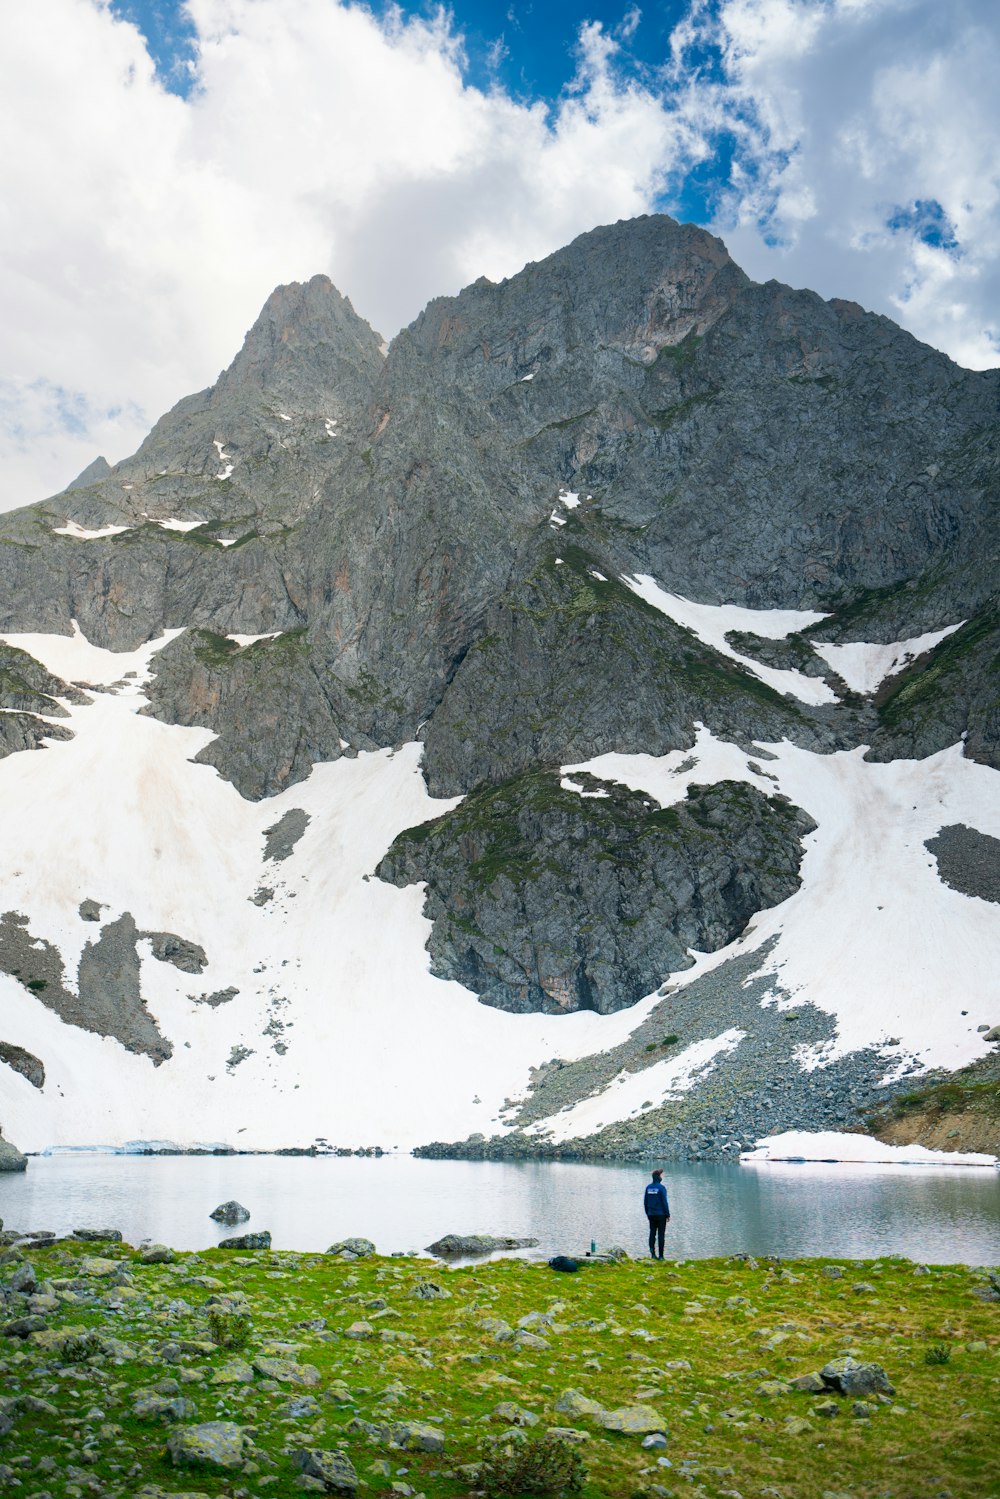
x=658, y=1212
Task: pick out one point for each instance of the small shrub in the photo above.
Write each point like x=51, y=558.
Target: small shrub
x=228, y=1329
x=79, y=1347
x=670, y=1040
x=938, y=1353
x=545, y=1466
x=651, y=1046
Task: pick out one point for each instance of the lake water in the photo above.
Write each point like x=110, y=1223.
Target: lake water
x=931, y=1215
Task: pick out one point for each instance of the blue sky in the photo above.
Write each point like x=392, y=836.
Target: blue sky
x=174, y=162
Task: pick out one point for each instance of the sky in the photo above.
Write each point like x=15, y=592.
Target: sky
x=166, y=163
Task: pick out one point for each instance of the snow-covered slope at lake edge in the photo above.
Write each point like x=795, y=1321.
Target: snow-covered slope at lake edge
x=338, y=1031
x=332, y=968
x=873, y=937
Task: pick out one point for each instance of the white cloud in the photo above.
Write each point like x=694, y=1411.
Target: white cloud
x=141, y=232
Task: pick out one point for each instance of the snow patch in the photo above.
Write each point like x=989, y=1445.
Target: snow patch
x=244, y=640
x=179, y=525
x=873, y=936
x=568, y=498
x=865, y=667
x=80, y=533
x=712, y=622
x=831, y=1145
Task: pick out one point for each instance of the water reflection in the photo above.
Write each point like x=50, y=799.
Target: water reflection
x=935, y=1215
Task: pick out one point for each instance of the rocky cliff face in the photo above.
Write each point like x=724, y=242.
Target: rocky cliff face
x=505, y=538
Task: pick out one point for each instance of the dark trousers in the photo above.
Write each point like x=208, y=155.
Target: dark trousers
x=657, y=1229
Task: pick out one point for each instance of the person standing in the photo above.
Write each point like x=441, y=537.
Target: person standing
x=658, y=1212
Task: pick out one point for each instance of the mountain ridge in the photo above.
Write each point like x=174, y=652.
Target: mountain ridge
x=625, y=519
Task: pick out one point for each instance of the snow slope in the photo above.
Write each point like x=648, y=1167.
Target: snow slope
x=378, y=1051
x=338, y=1030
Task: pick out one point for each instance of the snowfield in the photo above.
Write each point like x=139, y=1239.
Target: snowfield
x=338, y=1031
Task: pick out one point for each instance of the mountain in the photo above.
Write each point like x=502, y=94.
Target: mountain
x=576, y=727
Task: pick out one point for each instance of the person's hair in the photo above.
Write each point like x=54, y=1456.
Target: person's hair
x=658, y=1173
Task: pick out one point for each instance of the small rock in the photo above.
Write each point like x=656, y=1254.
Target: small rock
x=826, y=1408
x=633, y=1419
x=810, y=1383
x=862, y=1410
x=334, y=1470
x=848, y=1376
x=214, y=1444
x=353, y=1249
x=247, y=1241
x=230, y=1213
x=572, y=1403
x=428, y=1290
x=156, y=1254
x=286, y=1371
x=572, y=1434
x=360, y=1330
x=236, y=1371
x=417, y=1435
x=514, y=1414
x=654, y=1440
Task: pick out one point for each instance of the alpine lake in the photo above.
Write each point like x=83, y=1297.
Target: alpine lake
x=816, y=1332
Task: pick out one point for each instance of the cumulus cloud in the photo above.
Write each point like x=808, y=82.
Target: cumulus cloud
x=142, y=231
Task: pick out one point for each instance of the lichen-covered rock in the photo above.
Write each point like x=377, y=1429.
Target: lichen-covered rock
x=850, y=1376
x=287, y=1371
x=213, y=1444
x=333, y=1469
x=352, y=1249
x=260, y=1240
x=421, y=1436
x=635, y=1420
x=11, y=1159
x=156, y=1254
x=572, y=1403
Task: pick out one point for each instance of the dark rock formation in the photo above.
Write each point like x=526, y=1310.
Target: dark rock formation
x=285, y=834
x=230, y=1212
x=543, y=899
x=968, y=861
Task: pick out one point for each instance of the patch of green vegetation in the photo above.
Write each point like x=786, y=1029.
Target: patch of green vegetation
x=710, y=1345
x=678, y=356
x=37, y=986
x=670, y=415
x=920, y=688
x=825, y=382
x=214, y=650
x=954, y=1095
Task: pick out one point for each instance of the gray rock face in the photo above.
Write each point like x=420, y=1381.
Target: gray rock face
x=545, y=900
x=334, y=1470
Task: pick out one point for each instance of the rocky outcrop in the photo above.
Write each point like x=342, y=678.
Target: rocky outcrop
x=108, y=999
x=24, y=1062
x=546, y=899
x=11, y=1159
x=968, y=861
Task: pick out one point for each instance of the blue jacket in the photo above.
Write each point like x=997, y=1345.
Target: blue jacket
x=654, y=1200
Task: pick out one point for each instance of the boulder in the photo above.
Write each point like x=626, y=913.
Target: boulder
x=353, y=1249
x=470, y=1244
x=98, y=1235
x=247, y=1241
x=849, y=1376
x=635, y=1420
x=333, y=1469
x=286, y=1371
x=418, y=1436
x=11, y=1159
x=213, y=1444
x=156, y=1254
x=572, y=1403
x=230, y=1213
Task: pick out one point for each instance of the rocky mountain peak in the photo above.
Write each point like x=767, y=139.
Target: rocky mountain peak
x=306, y=334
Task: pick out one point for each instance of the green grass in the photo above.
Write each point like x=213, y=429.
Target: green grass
x=696, y=1341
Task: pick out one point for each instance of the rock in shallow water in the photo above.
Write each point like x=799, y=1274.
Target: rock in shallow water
x=230, y=1213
